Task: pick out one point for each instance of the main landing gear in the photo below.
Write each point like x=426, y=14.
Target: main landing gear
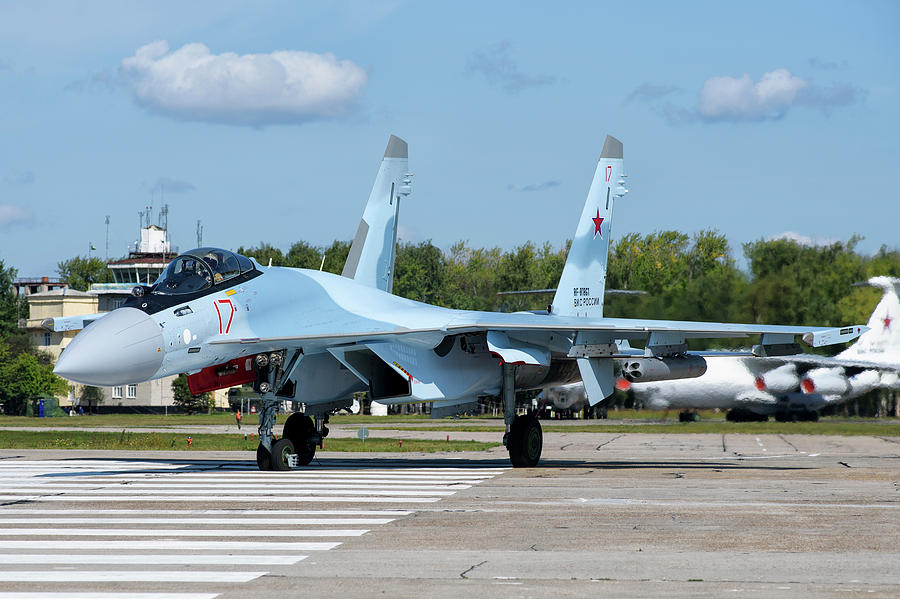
x=301, y=434
x=689, y=416
x=524, y=438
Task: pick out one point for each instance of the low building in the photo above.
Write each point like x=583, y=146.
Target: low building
x=27, y=286
x=55, y=304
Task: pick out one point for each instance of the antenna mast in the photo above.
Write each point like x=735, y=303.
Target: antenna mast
x=199, y=234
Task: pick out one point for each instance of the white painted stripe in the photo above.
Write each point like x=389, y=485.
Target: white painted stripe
x=50, y=511
x=205, y=498
x=237, y=519
x=149, y=559
x=69, y=545
x=283, y=486
x=244, y=477
x=128, y=576
x=216, y=493
x=255, y=473
x=103, y=595
x=177, y=532
x=61, y=464
x=183, y=484
x=209, y=466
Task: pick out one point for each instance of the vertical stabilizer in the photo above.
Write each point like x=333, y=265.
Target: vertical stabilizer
x=881, y=343
x=583, y=281
x=371, y=258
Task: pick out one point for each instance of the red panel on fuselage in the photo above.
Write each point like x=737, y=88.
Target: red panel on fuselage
x=220, y=376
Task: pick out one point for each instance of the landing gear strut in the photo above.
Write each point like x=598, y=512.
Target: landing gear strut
x=270, y=454
x=523, y=438
x=689, y=416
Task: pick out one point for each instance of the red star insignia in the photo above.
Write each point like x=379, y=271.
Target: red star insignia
x=887, y=321
x=597, y=222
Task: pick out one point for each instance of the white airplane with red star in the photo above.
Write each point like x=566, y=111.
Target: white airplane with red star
x=793, y=387
x=315, y=338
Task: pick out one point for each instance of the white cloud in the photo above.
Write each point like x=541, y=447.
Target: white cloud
x=287, y=86
x=804, y=239
x=728, y=98
x=498, y=67
x=13, y=215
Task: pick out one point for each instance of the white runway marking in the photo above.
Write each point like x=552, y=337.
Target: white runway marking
x=164, y=490
x=114, y=487
x=177, y=532
x=243, y=521
x=222, y=559
x=49, y=511
x=129, y=576
x=170, y=544
x=165, y=539
x=243, y=478
x=43, y=595
x=262, y=499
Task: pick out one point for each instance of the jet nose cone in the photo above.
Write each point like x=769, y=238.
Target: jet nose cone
x=125, y=346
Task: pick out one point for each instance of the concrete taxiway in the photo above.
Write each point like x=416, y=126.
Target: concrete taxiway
x=630, y=515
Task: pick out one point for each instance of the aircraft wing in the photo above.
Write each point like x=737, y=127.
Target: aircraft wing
x=613, y=328
x=815, y=361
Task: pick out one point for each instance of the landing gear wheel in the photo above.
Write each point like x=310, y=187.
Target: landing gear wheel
x=688, y=416
x=525, y=441
x=281, y=449
x=263, y=457
x=299, y=428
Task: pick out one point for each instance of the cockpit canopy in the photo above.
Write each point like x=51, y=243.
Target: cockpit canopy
x=200, y=269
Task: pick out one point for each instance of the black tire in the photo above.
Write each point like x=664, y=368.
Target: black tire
x=525, y=442
x=280, y=451
x=263, y=458
x=299, y=428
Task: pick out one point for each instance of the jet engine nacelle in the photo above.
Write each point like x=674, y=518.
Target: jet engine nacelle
x=825, y=381
x=783, y=379
x=642, y=370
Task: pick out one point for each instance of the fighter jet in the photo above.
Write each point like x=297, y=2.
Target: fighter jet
x=788, y=388
x=314, y=338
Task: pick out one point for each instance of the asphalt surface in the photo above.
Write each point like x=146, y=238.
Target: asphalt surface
x=631, y=515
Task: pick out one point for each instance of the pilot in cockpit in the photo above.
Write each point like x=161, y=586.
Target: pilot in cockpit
x=213, y=262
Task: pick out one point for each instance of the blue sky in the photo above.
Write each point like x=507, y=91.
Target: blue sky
x=267, y=121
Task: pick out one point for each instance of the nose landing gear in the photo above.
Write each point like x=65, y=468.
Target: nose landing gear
x=301, y=434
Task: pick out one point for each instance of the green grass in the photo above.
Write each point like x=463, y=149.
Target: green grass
x=125, y=420
x=159, y=420
x=206, y=442
x=889, y=428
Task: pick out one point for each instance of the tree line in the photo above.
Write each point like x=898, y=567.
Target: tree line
x=685, y=277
